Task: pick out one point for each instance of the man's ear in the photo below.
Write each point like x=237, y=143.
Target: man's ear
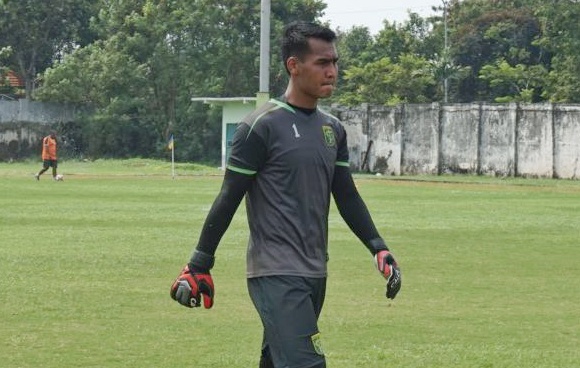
x=292, y=65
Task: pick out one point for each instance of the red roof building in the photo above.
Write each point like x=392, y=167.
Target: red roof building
x=13, y=79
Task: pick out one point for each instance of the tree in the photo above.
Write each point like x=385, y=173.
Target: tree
x=486, y=32
x=411, y=37
x=165, y=53
x=39, y=32
x=377, y=70
x=138, y=63
x=354, y=49
x=4, y=82
x=387, y=83
x=444, y=69
x=519, y=83
x=561, y=37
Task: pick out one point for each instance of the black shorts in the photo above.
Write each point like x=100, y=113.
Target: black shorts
x=289, y=307
x=49, y=163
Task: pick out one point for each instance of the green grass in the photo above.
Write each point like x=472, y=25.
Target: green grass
x=490, y=272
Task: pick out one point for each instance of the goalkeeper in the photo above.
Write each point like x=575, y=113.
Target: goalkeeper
x=287, y=159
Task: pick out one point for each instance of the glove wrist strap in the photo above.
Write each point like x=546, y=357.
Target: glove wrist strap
x=201, y=260
x=376, y=245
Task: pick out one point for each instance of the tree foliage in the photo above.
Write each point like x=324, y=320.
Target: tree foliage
x=561, y=37
x=489, y=34
x=137, y=64
x=497, y=51
x=153, y=56
x=39, y=32
x=387, y=83
x=519, y=83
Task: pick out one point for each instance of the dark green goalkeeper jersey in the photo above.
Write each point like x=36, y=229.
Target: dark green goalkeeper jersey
x=293, y=156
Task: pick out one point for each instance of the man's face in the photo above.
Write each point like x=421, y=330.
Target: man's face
x=315, y=75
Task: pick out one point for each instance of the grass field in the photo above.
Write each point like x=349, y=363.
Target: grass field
x=491, y=273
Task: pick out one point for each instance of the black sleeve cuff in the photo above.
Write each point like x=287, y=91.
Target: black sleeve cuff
x=375, y=245
x=201, y=261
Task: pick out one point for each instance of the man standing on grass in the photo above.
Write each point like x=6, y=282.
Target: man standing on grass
x=48, y=155
x=287, y=158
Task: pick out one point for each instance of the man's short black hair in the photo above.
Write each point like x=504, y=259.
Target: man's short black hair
x=296, y=35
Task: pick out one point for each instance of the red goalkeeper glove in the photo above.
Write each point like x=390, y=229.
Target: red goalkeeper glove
x=189, y=287
x=389, y=268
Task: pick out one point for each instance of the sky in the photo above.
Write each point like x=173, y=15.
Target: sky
x=371, y=13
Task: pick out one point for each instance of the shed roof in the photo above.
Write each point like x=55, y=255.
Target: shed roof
x=13, y=79
x=223, y=100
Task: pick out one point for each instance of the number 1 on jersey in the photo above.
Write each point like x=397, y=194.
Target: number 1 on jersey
x=296, y=134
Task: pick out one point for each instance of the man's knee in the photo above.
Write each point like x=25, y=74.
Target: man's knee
x=321, y=365
x=266, y=359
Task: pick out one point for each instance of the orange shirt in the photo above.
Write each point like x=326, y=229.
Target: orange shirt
x=48, y=148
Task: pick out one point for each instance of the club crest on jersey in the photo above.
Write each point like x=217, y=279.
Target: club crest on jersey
x=316, y=341
x=328, y=136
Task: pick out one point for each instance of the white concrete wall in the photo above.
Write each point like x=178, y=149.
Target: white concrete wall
x=529, y=140
x=23, y=123
x=534, y=140
x=355, y=122
x=420, y=139
x=385, y=153
x=497, y=140
x=459, y=138
x=567, y=142
x=24, y=110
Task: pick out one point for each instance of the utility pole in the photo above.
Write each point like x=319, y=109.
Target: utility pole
x=445, y=53
x=263, y=92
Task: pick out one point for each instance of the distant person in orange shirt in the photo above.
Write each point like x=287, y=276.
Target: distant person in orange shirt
x=48, y=155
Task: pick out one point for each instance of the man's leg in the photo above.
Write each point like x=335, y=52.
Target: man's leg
x=289, y=314
x=54, y=166
x=266, y=359
x=45, y=167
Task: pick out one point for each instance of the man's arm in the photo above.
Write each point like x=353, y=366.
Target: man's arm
x=354, y=211
x=195, y=283
x=234, y=187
